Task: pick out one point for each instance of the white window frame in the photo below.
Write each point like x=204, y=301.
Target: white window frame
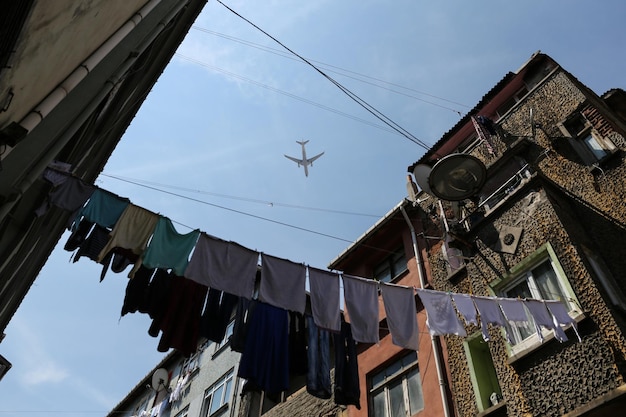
x=392, y=379
x=230, y=327
x=224, y=386
x=523, y=272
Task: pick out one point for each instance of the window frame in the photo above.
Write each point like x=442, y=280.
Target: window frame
x=410, y=369
x=225, y=381
x=483, y=389
x=579, y=139
x=390, y=263
x=517, y=275
x=219, y=347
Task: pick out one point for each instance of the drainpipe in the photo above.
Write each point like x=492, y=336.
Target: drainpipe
x=435, y=346
x=36, y=115
x=33, y=118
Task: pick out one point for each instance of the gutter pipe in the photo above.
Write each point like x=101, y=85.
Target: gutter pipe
x=435, y=346
x=44, y=108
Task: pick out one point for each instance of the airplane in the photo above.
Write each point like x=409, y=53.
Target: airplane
x=305, y=162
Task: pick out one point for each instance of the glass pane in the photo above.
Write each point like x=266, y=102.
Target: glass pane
x=521, y=331
x=548, y=283
x=379, y=404
x=217, y=399
x=378, y=379
x=227, y=386
x=399, y=264
x=416, y=400
x=396, y=400
x=595, y=147
x=208, y=401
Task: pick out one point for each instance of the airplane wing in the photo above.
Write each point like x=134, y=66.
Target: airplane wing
x=310, y=160
x=296, y=160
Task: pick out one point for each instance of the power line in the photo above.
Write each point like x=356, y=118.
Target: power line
x=344, y=72
x=285, y=93
x=250, y=200
x=372, y=110
x=244, y=213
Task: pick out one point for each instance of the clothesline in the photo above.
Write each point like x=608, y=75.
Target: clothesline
x=150, y=240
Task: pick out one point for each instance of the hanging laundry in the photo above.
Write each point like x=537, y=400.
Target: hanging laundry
x=56, y=177
x=465, y=306
x=325, y=304
x=483, y=135
x=132, y=230
x=223, y=265
x=78, y=235
x=561, y=316
x=169, y=249
x=513, y=310
x=157, y=296
x=283, y=283
x=245, y=309
x=490, y=313
x=347, y=388
x=361, y=296
x=318, y=355
x=543, y=317
x=136, y=297
x=401, y=315
x=103, y=208
x=70, y=195
x=217, y=313
x=298, y=363
x=265, y=359
x=180, y=324
x=442, y=318
x=91, y=247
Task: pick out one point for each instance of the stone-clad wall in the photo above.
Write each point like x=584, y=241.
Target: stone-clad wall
x=556, y=378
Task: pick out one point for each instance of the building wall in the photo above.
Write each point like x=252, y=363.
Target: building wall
x=565, y=204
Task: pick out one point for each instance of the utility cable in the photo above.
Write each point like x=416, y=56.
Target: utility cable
x=342, y=71
x=246, y=214
x=250, y=200
x=372, y=110
x=276, y=90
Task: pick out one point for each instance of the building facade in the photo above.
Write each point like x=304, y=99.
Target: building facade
x=204, y=384
x=544, y=220
x=72, y=77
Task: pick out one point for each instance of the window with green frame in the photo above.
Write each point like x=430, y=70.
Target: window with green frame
x=482, y=372
x=541, y=277
x=391, y=267
x=396, y=391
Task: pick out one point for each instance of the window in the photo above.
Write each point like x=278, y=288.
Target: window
x=227, y=336
x=217, y=396
x=541, y=277
x=482, y=371
x=397, y=390
x=512, y=101
x=391, y=267
x=183, y=413
x=589, y=144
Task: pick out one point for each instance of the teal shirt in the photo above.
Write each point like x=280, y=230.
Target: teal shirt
x=168, y=248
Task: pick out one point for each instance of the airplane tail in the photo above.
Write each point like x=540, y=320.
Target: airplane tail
x=303, y=142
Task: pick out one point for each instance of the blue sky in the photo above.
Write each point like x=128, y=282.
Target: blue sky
x=230, y=105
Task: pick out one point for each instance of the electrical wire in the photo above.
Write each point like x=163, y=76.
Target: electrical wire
x=285, y=93
x=342, y=71
x=250, y=200
x=246, y=214
x=372, y=110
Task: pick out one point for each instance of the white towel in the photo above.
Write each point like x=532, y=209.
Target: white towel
x=225, y=266
x=465, y=306
x=283, y=283
x=401, y=315
x=490, y=312
x=361, y=297
x=542, y=317
x=442, y=318
x=513, y=310
x=562, y=317
x=324, y=286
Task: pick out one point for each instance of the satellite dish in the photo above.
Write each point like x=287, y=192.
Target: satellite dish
x=421, y=173
x=457, y=176
x=160, y=379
